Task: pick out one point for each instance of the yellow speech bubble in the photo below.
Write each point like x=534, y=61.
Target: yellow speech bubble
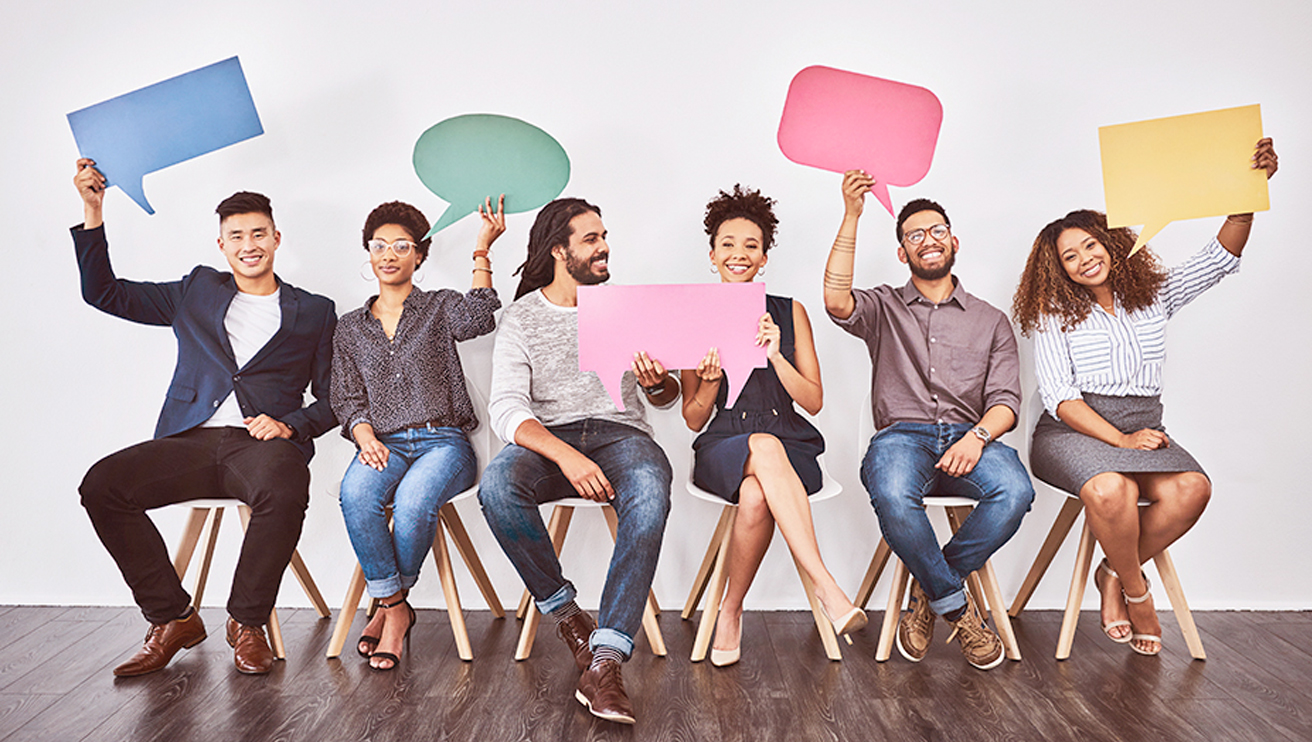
x=1182, y=167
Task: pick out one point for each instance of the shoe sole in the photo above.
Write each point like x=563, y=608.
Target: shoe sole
x=620, y=718
x=1001, y=656
x=902, y=650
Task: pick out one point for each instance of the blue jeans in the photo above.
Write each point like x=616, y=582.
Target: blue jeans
x=898, y=472
x=518, y=480
x=426, y=467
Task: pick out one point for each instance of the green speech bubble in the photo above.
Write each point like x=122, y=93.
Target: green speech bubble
x=468, y=158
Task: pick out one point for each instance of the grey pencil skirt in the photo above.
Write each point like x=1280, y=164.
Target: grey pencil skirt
x=1067, y=459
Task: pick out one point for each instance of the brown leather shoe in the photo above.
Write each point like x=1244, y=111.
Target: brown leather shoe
x=251, y=653
x=601, y=689
x=162, y=642
x=576, y=632
x=915, y=630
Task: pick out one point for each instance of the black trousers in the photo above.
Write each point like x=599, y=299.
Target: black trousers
x=269, y=476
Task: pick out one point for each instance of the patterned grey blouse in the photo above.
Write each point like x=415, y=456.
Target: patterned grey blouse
x=415, y=377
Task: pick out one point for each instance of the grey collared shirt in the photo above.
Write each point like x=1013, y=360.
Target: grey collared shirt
x=947, y=362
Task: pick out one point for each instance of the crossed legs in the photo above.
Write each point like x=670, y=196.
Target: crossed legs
x=771, y=494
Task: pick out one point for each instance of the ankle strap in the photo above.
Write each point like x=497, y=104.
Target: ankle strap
x=402, y=601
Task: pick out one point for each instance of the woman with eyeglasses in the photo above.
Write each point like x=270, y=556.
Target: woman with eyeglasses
x=399, y=391
x=1098, y=317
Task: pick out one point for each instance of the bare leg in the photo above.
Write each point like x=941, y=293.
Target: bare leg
x=1111, y=503
x=753, y=527
x=1178, y=499
x=395, y=622
x=786, y=496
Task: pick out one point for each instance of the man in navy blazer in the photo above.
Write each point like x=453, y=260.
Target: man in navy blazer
x=234, y=423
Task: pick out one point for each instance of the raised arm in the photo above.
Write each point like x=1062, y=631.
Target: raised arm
x=1234, y=231
x=839, y=301
x=91, y=187
x=494, y=224
x=802, y=382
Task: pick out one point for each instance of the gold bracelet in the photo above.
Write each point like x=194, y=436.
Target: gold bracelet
x=1233, y=220
x=481, y=268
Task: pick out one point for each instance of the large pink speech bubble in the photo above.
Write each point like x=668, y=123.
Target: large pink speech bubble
x=675, y=324
x=840, y=121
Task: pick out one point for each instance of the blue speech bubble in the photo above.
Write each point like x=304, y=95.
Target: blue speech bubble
x=468, y=158
x=166, y=123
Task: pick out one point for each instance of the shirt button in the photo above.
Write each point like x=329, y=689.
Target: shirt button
x=933, y=340
x=932, y=370
x=237, y=377
x=934, y=397
x=216, y=403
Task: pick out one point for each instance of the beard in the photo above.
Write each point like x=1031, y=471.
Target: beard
x=581, y=270
x=933, y=274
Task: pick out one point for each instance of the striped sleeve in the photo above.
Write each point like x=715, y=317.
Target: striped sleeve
x=1199, y=273
x=1053, y=366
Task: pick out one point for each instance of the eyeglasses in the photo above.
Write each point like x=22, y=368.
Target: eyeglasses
x=400, y=247
x=917, y=236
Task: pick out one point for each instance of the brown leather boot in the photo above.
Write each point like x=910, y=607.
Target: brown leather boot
x=575, y=632
x=162, y=642
x=250, y=649
x=601, y=689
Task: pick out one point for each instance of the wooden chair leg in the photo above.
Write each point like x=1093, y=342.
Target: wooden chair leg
x=1080, y=577
x=956, y=516
x=998, y=609
x=460, y=537
x=347, y=616
x=190, y=535
x=207, y=555
x=1183, y=616
x=649, y=622
x=717, y=579
x=1070, y=510
x=822, y=622
x=302, y=573
x=453, y=609
x=872, y=574
x=708, y=562
x=896, y=593
x=561, y=515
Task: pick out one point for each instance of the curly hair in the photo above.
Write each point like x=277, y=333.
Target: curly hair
x=550, y=229
x=1046, y=290
x=742, y=204
x=404, y=216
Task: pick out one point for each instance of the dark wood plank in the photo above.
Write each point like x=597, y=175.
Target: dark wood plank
x=16, y=709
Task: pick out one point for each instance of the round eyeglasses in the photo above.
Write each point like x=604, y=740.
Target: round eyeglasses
x=400, y=247
x=917, y=236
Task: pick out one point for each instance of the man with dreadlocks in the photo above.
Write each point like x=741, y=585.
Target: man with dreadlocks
x=565, y=437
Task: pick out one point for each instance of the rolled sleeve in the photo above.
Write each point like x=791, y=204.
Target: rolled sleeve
x=1199, y=273
x=1002, y=386
x=1053, y=367
x=864, y=316
x=473, y=314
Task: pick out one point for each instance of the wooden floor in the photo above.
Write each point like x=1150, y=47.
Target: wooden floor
x=55, y=685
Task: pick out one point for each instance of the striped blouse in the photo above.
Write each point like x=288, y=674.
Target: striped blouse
x=1122, y=355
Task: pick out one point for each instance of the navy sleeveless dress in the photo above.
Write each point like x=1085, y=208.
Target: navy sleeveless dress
x=763, y=407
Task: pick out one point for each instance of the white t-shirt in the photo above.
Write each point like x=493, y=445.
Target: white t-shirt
x=251, y=321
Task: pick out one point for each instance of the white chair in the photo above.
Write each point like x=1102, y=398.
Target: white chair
x=562, y=512
x=448, y=518
x=1170, y=580
x=206, y=516
x=712, y=573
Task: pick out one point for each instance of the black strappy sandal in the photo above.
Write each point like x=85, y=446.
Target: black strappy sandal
x=388, y=655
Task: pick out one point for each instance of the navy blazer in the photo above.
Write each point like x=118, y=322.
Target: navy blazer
x=272, y=383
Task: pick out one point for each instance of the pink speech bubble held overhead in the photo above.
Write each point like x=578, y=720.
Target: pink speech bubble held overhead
x=675, y=324
x=840, y=121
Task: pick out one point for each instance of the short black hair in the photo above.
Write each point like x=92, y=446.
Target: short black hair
x=742, y=203
x=915, y=207
x=404, y=216
x=244, y=202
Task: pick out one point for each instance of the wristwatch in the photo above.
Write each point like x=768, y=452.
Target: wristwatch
x=652, y=391
x=983, y=434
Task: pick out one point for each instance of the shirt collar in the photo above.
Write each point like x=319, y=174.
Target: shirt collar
x=910, y=294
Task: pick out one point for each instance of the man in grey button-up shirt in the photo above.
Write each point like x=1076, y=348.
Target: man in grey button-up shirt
x=945, y=382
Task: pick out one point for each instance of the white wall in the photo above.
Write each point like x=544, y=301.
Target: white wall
x=658, y=105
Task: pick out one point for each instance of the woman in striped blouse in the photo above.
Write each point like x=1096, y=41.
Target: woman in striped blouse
x=1098, y=317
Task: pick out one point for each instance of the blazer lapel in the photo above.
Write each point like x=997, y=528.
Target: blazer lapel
x=289, y=303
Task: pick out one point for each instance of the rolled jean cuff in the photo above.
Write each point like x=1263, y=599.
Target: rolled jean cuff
x=612, y=638
x=389, y=586
x=949, y=603
x=559, y=598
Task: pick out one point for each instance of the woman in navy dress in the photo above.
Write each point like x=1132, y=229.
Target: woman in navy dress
x=760, y=453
